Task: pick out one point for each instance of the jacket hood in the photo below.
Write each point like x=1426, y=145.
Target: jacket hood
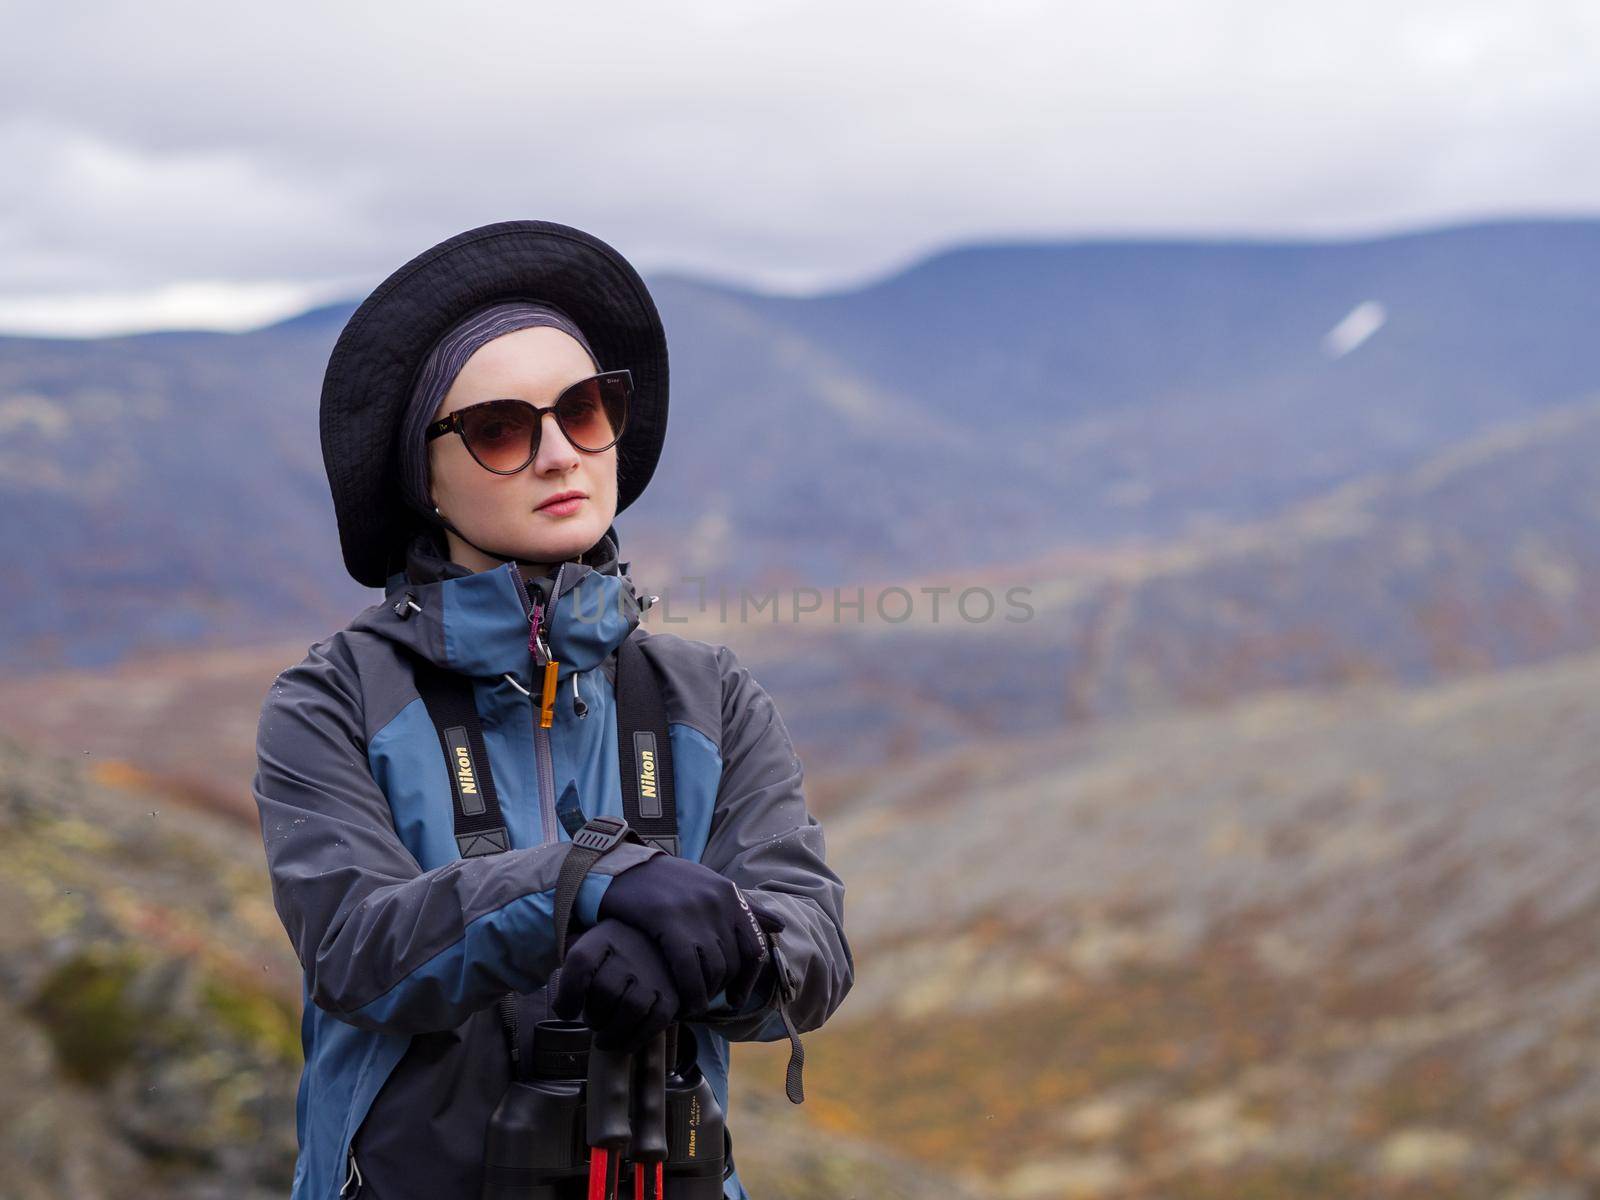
x=479, y=622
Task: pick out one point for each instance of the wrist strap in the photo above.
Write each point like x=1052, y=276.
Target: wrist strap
x=793, y=1085
x=594, y=841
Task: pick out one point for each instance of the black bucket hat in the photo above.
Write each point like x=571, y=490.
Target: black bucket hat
x=379, y=351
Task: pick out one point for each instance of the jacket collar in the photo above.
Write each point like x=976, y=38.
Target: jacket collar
x=478, y=622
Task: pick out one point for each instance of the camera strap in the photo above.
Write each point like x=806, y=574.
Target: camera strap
x=479, y=827
x=644, y=749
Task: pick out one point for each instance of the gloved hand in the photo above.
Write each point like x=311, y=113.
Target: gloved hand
x=710, y=937
x=614, y=981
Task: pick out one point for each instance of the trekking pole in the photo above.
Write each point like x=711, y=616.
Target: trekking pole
x=649, y=1119
x=610, y=1074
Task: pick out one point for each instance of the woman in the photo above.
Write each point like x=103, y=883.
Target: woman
x=485, y=413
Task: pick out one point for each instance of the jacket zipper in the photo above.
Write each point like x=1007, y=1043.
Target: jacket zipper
x=543, y=763
x=547, y=781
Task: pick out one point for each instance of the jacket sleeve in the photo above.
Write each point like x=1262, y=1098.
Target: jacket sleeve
x=764, y=839
x=384, y=944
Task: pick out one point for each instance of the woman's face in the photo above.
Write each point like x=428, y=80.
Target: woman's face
x=502, y=512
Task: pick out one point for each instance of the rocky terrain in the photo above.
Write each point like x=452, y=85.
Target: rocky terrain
x=149, y=1011
x=1309, y=946
x=150, y=997
x=1306, y=944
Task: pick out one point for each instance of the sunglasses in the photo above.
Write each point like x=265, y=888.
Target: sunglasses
x=503, y=435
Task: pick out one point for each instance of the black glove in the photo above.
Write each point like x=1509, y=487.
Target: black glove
x=711, y=938
x=614, y=981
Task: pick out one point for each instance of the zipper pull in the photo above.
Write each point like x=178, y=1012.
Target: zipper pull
x=540, y=653
x=547, y=702
x=547, y=699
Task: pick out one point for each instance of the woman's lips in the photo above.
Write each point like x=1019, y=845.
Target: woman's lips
x=562, y=508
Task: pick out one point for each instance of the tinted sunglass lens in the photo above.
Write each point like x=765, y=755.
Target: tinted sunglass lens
x=500, y=435
x=591, y=412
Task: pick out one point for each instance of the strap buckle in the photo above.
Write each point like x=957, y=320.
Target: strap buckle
x=603, y=834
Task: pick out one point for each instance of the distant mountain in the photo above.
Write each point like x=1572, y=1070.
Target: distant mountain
x=1483, y=556
x=163, y=491
x=326, y=320
x=990, y=404
x=999, y=397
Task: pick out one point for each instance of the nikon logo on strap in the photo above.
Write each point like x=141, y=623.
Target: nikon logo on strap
x=644, y=754
x=464, y=771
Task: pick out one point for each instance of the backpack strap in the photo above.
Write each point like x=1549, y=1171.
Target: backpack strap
x=644, y=748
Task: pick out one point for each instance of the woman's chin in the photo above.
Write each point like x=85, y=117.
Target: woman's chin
x=567, y=538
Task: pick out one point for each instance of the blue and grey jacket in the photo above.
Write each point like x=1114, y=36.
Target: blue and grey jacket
x=406, y=947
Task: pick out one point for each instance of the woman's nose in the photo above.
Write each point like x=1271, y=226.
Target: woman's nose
x=555, y=452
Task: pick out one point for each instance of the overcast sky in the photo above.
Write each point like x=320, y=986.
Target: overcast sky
x=221, y=165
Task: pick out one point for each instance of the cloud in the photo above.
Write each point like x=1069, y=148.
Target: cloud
x=789, y=145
